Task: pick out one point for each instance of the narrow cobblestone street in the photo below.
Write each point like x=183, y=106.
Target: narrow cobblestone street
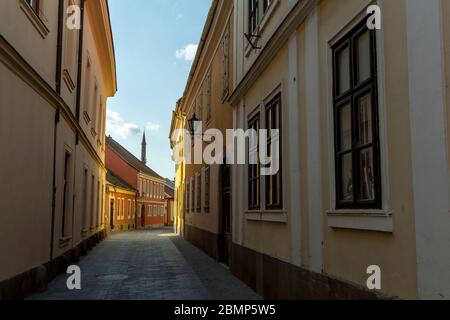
x=149, y=265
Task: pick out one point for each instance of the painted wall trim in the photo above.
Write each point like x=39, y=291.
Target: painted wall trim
x=314, y=157
x=429, y=147
x=294, y=152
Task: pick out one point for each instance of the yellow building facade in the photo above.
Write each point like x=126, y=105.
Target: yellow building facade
x=363, y=120
x=57, y=70
x=198, y=214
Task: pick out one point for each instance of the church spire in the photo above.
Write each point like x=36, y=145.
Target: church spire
x=144, y=150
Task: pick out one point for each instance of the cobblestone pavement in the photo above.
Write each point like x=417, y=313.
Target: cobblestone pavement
x=149, y=265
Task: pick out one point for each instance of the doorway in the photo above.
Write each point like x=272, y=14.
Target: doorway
x=225, y=236
x=111, y=214
x=143, y=216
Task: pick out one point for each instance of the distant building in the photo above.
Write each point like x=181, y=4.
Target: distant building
x=149, y=185
x=121, y=204
x=169, y=197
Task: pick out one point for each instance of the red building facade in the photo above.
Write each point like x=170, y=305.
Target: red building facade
x=150, y=202
x=121, y=204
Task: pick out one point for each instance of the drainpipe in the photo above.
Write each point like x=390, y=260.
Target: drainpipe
x=59, y=46
x=57, y=117
x=52, y=235
x=80, y=62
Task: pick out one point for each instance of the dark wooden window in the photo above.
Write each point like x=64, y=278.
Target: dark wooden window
x=254, y=169
x=188, y=198
x=225, y=63
x=85, y=195
x=357, y=146
x=208, y=96
x=274, y=187
x=65, y=193
x=198, y=180
x=253, y=17
x=207, y=186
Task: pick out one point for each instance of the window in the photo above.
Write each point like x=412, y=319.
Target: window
x=98, y=205
x=225, y=63
x=254, y=169
x=274, y=188
x=273, y=184
x=161, y=211
x=85, y=209
x=87, y=90
x=188, y=198
x=102, y=213
x=200, y=106
x=208, y=96
x=199, y=192
x=35, y=4
x=65, y=193
x=162, y=192
x=207, y=184
x=93, y=108
x=155, y=211
x=253, y=18
x=92, y=201
x=357, y=155
x=129, y=209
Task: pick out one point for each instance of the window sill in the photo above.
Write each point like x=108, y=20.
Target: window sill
x=266, y=216
x=366, y=220
x=35, y=20
x=87, y=119
x=68, y=81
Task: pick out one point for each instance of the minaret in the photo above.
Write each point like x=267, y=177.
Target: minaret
x=144, y=150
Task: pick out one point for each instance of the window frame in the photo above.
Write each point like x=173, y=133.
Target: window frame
x=198, y=186
x=254, y=16
x=207, y=202
x=351, y=97
x=256, y=179
x=275, y=101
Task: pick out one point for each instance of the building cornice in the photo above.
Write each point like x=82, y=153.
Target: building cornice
x=294, y=19
x=99, y=18
x=19, y=66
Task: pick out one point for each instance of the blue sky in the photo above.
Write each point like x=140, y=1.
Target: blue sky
x=155, y=42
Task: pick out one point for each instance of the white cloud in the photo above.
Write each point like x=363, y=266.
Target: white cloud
x=187, y=53
x=117, y=125
x=153, y=127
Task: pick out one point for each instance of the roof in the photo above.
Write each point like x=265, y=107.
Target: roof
x=170, y=184
x=169, y=189
x=129, y=158
x=117, y=181
x=169, y=192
